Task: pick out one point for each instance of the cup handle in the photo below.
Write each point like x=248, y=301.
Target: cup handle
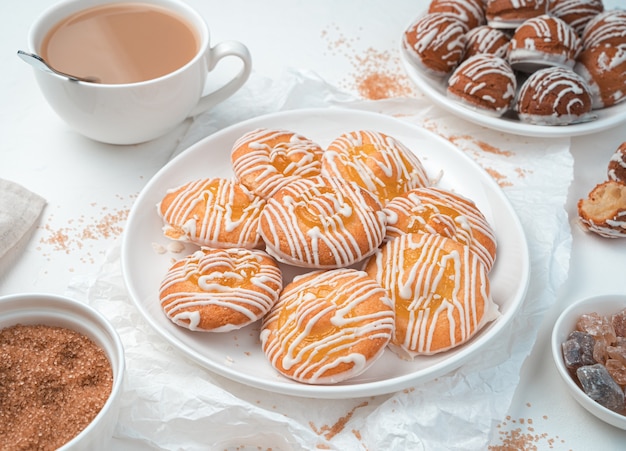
x=219, y=51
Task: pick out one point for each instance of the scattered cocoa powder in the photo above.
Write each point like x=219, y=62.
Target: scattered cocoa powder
x=53, y=382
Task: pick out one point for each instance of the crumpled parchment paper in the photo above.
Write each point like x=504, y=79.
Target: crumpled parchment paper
x=172, y=403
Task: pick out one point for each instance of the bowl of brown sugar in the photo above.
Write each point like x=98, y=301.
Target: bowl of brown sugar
x=61, y=374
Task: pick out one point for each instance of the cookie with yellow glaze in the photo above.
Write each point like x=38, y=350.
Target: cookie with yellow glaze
x=213, y=212
x=327, y=326
x=376, y=162
x=219, y=290
x=265, y=159
x=445, y=213
x=440, y=290
x=322, y=223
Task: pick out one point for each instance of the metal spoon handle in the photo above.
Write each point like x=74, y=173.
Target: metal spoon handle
x=39, y=63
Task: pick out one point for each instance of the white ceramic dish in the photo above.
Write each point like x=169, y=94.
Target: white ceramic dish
x=566, y=322
x=435, y=90
x=238, y=355
x=52, y=310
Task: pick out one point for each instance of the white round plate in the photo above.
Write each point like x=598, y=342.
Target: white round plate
x=237, y=355
x=435, y=90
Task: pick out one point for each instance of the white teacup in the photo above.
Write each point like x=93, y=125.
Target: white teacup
x=130, y=113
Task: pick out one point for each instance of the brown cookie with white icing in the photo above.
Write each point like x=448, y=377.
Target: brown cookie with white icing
x=485, y=83
x=617, y=164
x=435, y=43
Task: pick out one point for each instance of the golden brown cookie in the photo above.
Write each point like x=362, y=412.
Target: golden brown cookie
x=219, y=290
x=440, y=290
x=604, y=210
x=264, y=159
x=322, y=223
x=328, y=326
x=375, y=161
x=445, y=213
x=212, y=212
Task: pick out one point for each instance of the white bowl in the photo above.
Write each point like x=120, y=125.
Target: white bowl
x=565, y=323
x=52, y=310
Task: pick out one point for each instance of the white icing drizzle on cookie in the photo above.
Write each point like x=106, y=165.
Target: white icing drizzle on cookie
x=321, y=321
x=439, y=34
x=469, y=11
x=538, y=35
x=430, y=277
x=576, y=13
x=486, y=78
x=265, y=159
x=485, y=39
x=240, y=280
x=312, y=215
x=617, y=164
x=377, y=162
x=606, y=27
x=556, y=95
x=212, y=212
x=434, y=210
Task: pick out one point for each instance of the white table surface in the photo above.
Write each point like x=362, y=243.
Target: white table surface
x=91, y=186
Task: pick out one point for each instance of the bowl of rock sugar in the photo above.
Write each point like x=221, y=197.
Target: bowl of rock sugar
x=589, y=351
x=61, y=374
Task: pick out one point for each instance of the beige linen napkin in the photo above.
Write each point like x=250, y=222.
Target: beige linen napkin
x=19, y=211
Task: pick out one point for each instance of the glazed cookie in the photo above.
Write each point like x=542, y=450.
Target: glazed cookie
x=442, y=212
x=264, y=160
x=576, y=13
x=322, y=223
x=470, y=12
x=554, y=96
x=486, y=40
x=617, y=164
x=374, y=161
x=543, y=41
x=604, y=210
x=435, y=43
x=328, y=326
x=212, y=212
x=220, y=290
x=510, y=14
x=485, y=83
x=440, y=290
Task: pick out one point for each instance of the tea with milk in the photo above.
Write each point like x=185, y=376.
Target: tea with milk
x=121, y=43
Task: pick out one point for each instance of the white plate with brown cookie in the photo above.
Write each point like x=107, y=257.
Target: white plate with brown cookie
x=435, y=90
x=237, y=354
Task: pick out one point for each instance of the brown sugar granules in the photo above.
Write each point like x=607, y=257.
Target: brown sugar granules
x=53, y=382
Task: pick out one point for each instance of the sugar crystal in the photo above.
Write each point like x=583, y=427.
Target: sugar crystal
x=578, y=350
x=597, y=325
x=600, y=386
x=617, y=370
x=618, y=320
